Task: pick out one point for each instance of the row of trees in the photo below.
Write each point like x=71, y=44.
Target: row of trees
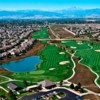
x=78, y=87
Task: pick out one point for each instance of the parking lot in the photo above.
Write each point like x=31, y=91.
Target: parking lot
x=69, y=95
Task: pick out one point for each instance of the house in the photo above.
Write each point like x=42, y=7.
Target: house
x=14, y=87
x=47, y=84
x=1, y=57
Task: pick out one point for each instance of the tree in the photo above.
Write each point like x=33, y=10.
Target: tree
x=72, y=86
x=79, y=58
x=25, y=82
x=11, y=95
x=40, y=87
x=91, y=43
x=76, y=88
x=72, y=51
x=61, y=83
x=82, y=90
x=79, y=85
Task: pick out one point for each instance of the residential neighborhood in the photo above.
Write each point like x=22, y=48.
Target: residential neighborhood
x=14, y=39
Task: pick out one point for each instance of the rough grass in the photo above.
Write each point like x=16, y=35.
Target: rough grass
x=2, y=79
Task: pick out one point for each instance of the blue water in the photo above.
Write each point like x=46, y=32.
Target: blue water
x=24, y=65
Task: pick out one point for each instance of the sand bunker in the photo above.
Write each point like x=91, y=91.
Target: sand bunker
x=61, y=53
x=52, y=69
x=64, y=62
x=64, y=41
x=73, y=47
x=79, y=43
x=97, y=50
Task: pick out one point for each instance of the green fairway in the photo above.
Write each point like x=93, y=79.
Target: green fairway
x=51, y=59
x=50, y=68
x=88, y=51
x=43, y=34
x=96, y=46
x=76, y=45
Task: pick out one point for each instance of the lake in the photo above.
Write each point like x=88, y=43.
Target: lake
x=24, y=65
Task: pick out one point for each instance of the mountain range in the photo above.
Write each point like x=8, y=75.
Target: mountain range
x=39, y=14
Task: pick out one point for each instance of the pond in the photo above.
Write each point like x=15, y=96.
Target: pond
x=24, y=65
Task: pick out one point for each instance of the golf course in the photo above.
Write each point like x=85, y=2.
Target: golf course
x=89, y=52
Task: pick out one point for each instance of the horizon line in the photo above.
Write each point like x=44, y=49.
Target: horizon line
x=49, y=10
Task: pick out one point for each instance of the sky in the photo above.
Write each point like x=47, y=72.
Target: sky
x=47, y=5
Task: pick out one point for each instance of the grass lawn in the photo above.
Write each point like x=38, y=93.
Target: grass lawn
x=19, y=83
x=76, y=45
x=96, y=46
x=2, y=79
x=50, y=67
x=2, y=92
x=41, y=34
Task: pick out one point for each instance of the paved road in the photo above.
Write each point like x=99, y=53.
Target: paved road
x=69, y=95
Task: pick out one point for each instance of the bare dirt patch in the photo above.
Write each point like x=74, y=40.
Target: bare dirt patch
x=58, y=30
x=4, y=71
x=85, y=77
x=91, y=97
x=51, y=35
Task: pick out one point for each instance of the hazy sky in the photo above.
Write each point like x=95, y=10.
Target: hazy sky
x=47, y=4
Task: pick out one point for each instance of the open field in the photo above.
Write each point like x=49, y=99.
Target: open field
x=61, y=32
x=43, y=34
x=91, y=97
x=52, y=36
x=85, y=77
x=91, y=58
